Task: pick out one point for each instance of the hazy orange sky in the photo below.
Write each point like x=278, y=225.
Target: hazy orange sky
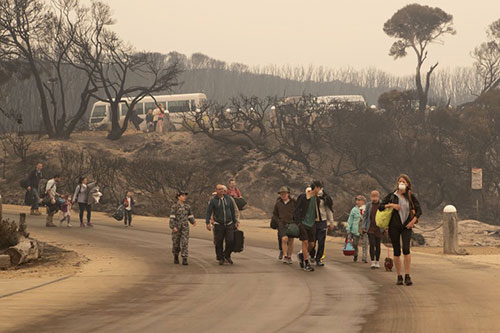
x=320, y=32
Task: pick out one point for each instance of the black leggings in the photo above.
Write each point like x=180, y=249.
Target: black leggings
x=396, y=233
x=374, y=247
x=127, y=217
x=85, y=207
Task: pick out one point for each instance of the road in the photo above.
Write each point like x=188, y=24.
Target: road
x=257, y=294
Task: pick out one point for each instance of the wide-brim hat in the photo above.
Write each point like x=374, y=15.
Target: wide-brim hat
x=284, y=189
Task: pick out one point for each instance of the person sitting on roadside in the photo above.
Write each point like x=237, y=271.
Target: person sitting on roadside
x=33, y=182
x=324, y=222
x=54, y=200
x=283, y=212
x=224, y=223
x=305, y=216
x=370, y=227
x=354, y=223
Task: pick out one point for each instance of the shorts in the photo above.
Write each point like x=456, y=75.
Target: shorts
x=282, y=229
x=307, y=234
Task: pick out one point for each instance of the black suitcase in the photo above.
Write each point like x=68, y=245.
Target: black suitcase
x=239, y=240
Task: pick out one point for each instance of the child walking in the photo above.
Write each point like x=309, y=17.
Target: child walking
x=180, y=217
x=66, y=210
x=128, y=203
x=354, y=223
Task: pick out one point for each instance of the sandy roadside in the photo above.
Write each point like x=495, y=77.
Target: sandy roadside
x=104, y=272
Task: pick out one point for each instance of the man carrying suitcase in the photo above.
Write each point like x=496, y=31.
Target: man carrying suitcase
x=224, y=223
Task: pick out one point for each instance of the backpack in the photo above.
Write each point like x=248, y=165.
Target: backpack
x=42, y=187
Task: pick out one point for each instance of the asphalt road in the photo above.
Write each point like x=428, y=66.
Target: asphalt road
x=259, y=294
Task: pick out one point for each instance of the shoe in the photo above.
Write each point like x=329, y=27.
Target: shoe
x=229, y=260
x=289, y=261
x=176, y=260
x=185, y=261
x=400, y=280
x=355, y=259
x=82, y=225
x=300, y=257
x=364, y=261
x=51, y=225
x=408, y=281
x=308, y=268
x=90, y=225
x=280, y=257
x=319, y=264
x=372, y=266
x=69, y=225
x=221, y=262
x=36, y=212
x=377, y=264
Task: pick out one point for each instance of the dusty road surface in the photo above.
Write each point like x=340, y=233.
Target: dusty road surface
x=131, y=285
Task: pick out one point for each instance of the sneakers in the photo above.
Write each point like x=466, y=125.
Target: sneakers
x=221, y=262
x=319, y=264
x=408, y=281
x=377, y=264
x=355, y=259
x=50, y=225
x=307, y=267
x=364, y=261
x=90, y=225
x=185, y=261
x=280, y=257
x=35, y=212
x=300, y=257
x=372, y=266
x=400, y=280
x=287, y=260
x=229, y=260
x=176, y=260
x=69, y=225
x=82, y=225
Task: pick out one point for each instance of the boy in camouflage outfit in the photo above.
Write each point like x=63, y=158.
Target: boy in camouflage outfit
x=180, y=217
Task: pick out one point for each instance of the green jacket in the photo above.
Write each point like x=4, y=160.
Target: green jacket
x=353, y=221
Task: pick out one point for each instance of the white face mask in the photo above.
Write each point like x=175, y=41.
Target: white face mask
x=402, y=186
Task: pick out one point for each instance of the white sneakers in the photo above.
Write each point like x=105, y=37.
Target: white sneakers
x=375, y=264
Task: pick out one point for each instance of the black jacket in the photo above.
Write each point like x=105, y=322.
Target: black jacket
x=223, y=210
x=395, y=218
x=34, y=178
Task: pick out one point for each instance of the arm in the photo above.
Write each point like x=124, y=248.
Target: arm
x=236, y=210
x=387, y=200
x=238, y=193
x=350, y=221
x=75, y=195
x=366, y=217
x=209, y=211
x=276, y=215
x=31, y=178
x=173, y=220
x=191, y=217
x=233, y=213
x=297, y=216
x=418, y=208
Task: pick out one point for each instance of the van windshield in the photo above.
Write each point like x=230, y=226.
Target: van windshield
x=99, y=111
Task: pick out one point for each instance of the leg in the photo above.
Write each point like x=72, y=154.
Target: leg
x=371, y=239
x=305, y=249
x=377, y=248
x=176, y=242
x=289, y=248
x=229, y=236
x=284, y=245
x=125, y=217
x=184, y=240
x=81, y=209
x=35, y=198
x=355, y=243
x=321, y=241
x=89, y=212
x=395, y=236
x=406, y=236
x=364, y=245
x=219, y=240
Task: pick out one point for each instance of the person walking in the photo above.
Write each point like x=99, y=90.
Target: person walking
x=53, y=199
x=33, y=182
x=325, y=205
x=305, y=216
x=370, y=227
x=180, y=217
x=405, y=214
x=81, y=196
x=283, y=212
x=66, y=211
x=161, y=116
x=128, y=203
x=149, y=121
x=224, y=223
x=354, y=223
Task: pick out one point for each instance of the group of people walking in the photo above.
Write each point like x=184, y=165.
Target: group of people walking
x=307, y=218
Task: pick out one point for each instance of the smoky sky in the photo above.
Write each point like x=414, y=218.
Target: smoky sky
x=328, y=33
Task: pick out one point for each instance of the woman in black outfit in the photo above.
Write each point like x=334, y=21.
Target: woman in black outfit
x=81, y=196
x=406, y=212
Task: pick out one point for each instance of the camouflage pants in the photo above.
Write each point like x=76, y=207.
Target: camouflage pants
x=180, y=240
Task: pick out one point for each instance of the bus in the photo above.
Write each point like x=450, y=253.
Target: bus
x=176, y=105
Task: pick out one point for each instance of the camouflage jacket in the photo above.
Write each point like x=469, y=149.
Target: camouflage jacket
x=180, y=214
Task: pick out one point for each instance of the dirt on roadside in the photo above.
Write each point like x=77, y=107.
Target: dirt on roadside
x=55, y=261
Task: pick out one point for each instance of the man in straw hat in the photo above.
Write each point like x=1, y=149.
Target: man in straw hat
x=284, y=208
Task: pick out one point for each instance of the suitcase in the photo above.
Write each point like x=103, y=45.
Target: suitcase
x=239, y=240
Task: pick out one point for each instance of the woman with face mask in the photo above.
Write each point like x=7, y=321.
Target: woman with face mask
x=405, y=214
